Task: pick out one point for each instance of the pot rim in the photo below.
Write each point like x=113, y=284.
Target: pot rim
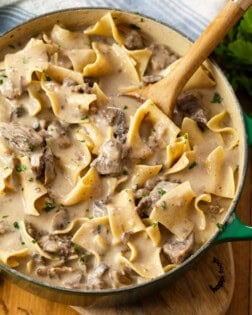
x=207, y=244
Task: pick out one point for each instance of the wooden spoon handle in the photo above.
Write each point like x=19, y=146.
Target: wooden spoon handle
x=203, y=46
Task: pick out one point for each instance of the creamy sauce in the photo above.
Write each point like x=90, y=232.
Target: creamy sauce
x=87, y=229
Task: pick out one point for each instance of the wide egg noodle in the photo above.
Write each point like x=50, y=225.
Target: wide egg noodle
x=5, y=109
x=176, y=149
x=33, y=103
x=190, y=127
x=201, y=79
x=186, y=159
x=93, y=237
x=20, y=66
x=161, y=123
x=220, y=175
x=92, y=136
x=81, y=58
x=59, y=73
x=68, y=105
x=199, y=217
x=105, y=27
x=83, y=189
x=69, y=40
x=32, y=189
x=142, y=58
x=11, y=257
x=103, y=63
x=122, y=215
x=6, y=169
x=172, y=210
x=141, y=173
x=231, y=136
x=30, y=243
x=73, y=160
x=146, y=259
x=153, y=231
x=128, y=64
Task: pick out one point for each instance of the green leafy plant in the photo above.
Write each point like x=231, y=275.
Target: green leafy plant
x=234, y=54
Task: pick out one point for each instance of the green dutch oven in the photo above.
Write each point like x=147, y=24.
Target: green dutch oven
x=232, y=230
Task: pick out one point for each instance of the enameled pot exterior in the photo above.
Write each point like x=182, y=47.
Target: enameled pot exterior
x=77, y=18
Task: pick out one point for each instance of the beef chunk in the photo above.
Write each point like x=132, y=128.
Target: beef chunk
x=21, y=139
x=133, y=40
x=189, y=105
x=42, y=164
x=110, y=159
x=178, y=250
x=116, y=118
x=122, y=277
x=56, y=244
x=59, y=132
x=95, y=279
x=146, y=204
x=60, y=220
x=162, y=57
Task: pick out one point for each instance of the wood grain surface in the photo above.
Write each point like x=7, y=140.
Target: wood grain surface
x=15, y=301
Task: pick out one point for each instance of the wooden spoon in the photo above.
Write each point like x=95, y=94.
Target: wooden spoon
x=165, y=92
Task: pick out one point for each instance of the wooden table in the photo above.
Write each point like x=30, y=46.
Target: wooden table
x=242, y=299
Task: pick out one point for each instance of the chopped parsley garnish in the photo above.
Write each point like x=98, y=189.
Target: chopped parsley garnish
x=25, y=60
x=192, y=165
x=22, y=243
x=84, y=117
x=98, y=228
x=1, y=81
x=125, y=107
x=185, y=135
x=216, y=98
x=4, y=216
x=82, y=141
x=16, y=225
x=19, y=111
x=31, y=179
x=21, y=168
x=34, y=241
x=32, y=147
x=164, y=204
x=220, y=226
x=75, y=247
x=125, y=172
x=48, y=78
x=161, y=192
x=49, y=205
x=154, y=224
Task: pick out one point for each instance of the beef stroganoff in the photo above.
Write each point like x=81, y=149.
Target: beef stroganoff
x=99, y=190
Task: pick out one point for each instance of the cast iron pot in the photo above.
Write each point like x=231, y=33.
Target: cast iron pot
x=233, y=228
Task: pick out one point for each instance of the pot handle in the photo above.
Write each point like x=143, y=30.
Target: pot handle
x=234, y=229
x=248, y=123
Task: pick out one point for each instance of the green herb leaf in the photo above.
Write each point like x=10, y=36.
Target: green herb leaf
x=216, y=98
x=25, y=60
x=154, y=224
x=16, y=225
x=192, y=165
x=161, y=192
x=164, y=204
x=20, y=168
x=49, y=205
x=220, y=226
